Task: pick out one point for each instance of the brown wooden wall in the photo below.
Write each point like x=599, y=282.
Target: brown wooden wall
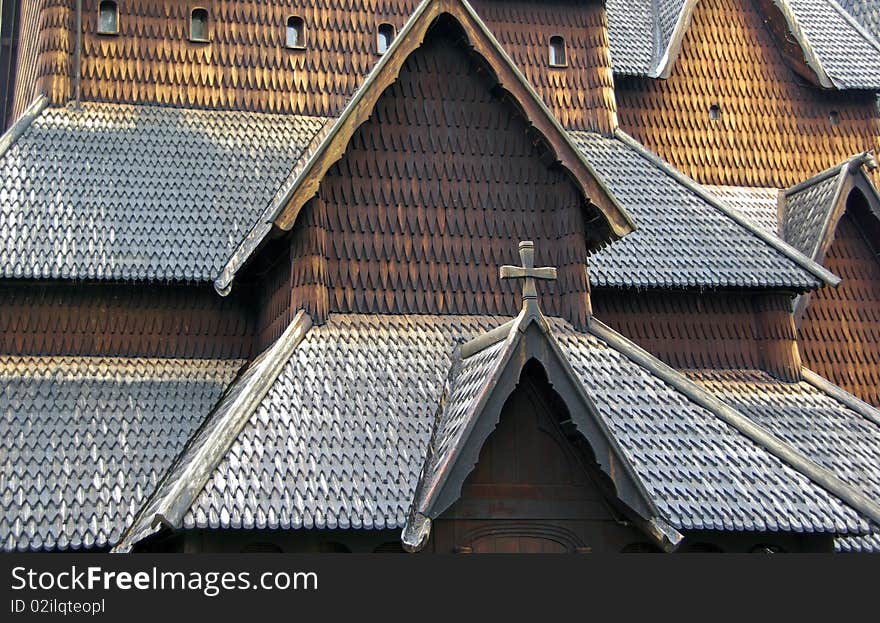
x=246, y=64
x=9, y=32
x=708, y=330
x=123, y=320
x=581, y=95
x=840, y=330
x=533, y=490
x=45, y=46
x=773, y=131
x=433, y=194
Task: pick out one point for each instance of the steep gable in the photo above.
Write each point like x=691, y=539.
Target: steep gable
x=414, y=211
x=421, y=210
x=819, y=40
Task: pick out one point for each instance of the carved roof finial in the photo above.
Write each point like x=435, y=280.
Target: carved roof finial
x=528, y=273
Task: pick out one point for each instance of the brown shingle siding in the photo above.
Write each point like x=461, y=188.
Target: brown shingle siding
x=840, y=331
x=774, y=131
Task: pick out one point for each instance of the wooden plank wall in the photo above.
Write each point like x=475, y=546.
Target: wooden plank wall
x=774, y=130
x=840, y=330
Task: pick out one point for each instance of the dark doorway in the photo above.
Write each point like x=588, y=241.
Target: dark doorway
x=535, y=487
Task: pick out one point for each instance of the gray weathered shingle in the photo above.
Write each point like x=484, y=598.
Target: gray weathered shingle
x=642, y=41
x=805, y=211
x=145, y=192
x=866, y=13
x=802, y=214
x=668, y=14
x=85, y=440
x=757, y=204
x=631, y=34
x=682, y=240
x=460, y=398
x=341, y=437
x=825, y=430
x=869, y=544
x=701, y=472
x=851, y=60
x=139, y=192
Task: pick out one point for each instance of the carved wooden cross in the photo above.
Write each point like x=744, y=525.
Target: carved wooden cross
x=527, y=271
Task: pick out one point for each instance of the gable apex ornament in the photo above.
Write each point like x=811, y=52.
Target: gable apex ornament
x=528, y=273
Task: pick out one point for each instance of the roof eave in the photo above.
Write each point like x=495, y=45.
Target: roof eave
x=819, y=272
x=15, y=131
x=284, y=212
x=821, y=476
x=185, y=479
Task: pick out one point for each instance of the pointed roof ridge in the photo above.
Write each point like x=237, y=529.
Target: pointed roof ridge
x=190, y=471
x=668, y=47
x=759, y=435
x=452, y=456
x=835, y=203
x=785, y=249
x=335, y=136
x=859, y=159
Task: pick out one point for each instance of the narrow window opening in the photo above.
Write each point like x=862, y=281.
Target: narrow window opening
x=296, y=32
x=834, y=117
x=557, y=52
x=384, y=37
x=198, y=25
x=108, y=18
x=715, y=112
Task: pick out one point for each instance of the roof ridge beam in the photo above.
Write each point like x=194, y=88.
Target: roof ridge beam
x=22, y=124
x=185, y=479
x=820, y=272
x=758, y=434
